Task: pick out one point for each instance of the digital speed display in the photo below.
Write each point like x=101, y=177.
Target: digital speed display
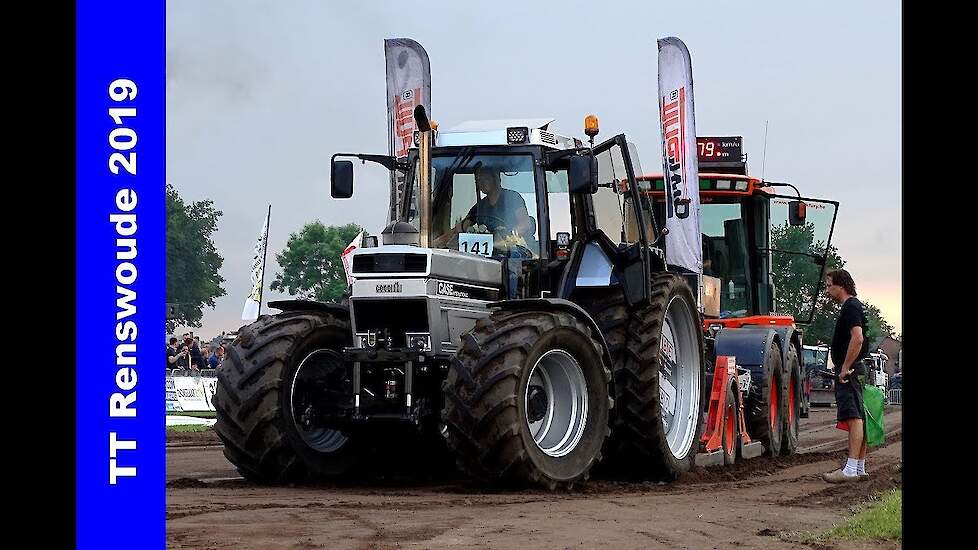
x=719, y=149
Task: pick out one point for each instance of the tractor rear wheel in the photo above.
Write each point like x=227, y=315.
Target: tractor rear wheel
x=766, y=407
x=660, y=385
x=793, y=408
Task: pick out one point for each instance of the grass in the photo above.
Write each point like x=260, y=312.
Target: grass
x=200, y=414
x=188, y=428
x=879, y=520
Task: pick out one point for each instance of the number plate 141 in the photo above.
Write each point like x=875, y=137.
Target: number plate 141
x=475, y=243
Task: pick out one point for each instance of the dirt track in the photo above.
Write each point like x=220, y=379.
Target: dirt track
x=761, y=503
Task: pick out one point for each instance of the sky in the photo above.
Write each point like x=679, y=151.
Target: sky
x=259, y=95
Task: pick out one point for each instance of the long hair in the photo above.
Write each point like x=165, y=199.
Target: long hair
x=842, y=278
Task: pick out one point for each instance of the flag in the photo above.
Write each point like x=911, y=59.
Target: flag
x=347, y=259
x=252, y=306
x=684, y=243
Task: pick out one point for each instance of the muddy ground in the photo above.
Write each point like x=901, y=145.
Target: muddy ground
x=763, y=503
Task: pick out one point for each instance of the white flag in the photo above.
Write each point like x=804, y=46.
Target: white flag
x=252, y=304
x=356, y=243
x=684, y=244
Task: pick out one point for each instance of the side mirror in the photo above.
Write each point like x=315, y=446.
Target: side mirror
x=582, y=175
x=796, y=213
x=341, y=179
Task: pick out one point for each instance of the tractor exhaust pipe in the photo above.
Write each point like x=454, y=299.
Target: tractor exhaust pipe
x=424, y=180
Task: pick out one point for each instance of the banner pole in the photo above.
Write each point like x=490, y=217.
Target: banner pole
x=261, y=289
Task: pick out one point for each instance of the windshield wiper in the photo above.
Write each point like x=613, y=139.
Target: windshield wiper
x=463, y=157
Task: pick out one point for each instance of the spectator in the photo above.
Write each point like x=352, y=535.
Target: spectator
x=192, y=352
x=173, y=354
x=197, y=357
x=218, y=358
x=849, y=348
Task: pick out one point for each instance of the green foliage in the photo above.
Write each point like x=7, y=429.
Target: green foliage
x=192, y=261
x=797, y=277
x=311, y=264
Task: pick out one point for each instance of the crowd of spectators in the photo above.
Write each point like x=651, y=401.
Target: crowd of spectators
x=187, y=354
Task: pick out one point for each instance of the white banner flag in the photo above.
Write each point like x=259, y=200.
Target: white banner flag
x=684, y=244
x=252, y=305
x=408, y=85
x=356, y=243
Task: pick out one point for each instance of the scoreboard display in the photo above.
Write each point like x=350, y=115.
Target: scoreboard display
x=721, y=154
x=719, y=149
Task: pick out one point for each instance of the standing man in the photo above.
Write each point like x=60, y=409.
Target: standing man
x=173, y=355
x=849, y=346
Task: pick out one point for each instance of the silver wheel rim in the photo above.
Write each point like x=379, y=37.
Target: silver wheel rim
x=555, y=403
x=679, y=380
x=320, y=439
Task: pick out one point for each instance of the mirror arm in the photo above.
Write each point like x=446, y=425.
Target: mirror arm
x=551, y=157
x=386, y=161
x=779, y=184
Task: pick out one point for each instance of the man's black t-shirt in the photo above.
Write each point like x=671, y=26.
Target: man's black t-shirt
x=851, y=315
x=499, y=215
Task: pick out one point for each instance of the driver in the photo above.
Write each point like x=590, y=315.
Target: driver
x=500, y=210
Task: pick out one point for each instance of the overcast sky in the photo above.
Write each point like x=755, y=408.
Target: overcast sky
x=260, y=94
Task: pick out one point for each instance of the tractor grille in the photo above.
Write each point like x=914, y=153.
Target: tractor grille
x=393, y=317
x=390, y=263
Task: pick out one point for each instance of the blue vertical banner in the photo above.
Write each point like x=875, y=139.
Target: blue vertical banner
x=120, y=269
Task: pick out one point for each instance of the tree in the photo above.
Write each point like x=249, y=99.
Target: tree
x=192, y=261
x=877, y=327
x=311, y=264
x=796, y=278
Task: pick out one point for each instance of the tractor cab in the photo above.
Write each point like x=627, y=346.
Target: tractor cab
x=767, y=249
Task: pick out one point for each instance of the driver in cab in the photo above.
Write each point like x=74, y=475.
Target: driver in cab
x=502, y=211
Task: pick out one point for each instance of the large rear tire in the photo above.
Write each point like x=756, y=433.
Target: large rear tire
x=276, y=372
x=526, y=400
x=660, y=385
x=793, y=403
x=766, y=407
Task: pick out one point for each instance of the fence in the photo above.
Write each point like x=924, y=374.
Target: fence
x=896, y=396
x=188, y=391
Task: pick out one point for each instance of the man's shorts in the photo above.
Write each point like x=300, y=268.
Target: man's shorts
x=849, y=399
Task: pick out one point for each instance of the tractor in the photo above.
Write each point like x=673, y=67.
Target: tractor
x=517, y=316
x=822, y=387
x=762, y=253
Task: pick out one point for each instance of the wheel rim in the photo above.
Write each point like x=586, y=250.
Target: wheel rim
x=555, y=403
x=728, y=439
x=773, y=404
x=679, y=380
x=308, y=384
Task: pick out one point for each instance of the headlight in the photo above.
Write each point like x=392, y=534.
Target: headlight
x=418, y=340
x=517, y=135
